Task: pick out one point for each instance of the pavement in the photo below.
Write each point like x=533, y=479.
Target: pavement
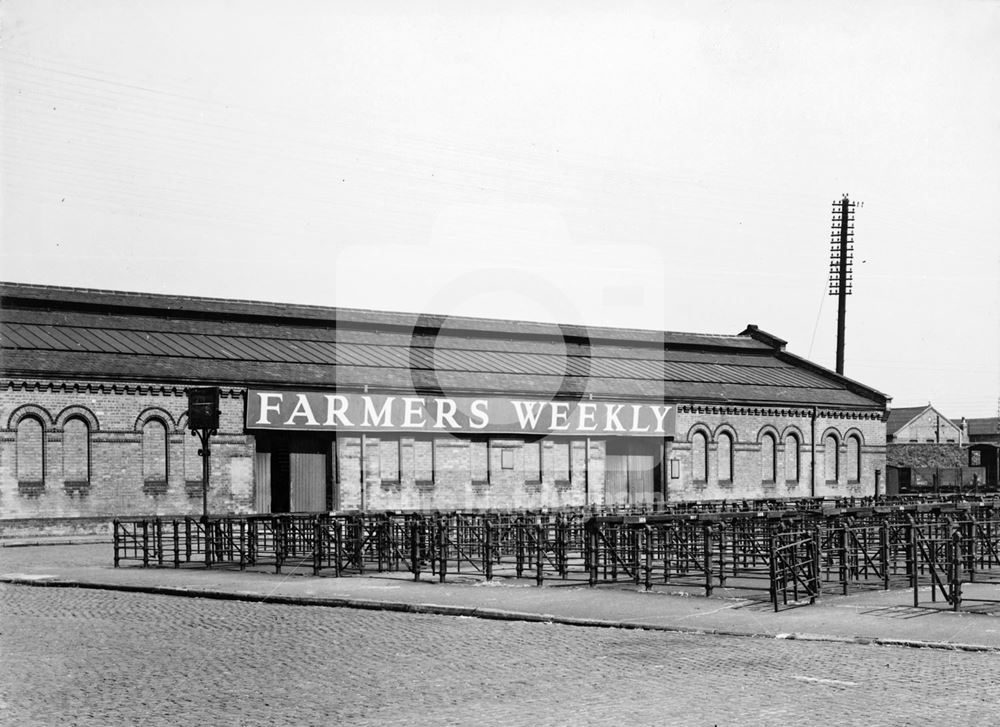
x=866, y=616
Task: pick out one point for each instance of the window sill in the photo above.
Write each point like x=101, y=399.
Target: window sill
x=156, y=488
x=31, y=488
x=77, y=488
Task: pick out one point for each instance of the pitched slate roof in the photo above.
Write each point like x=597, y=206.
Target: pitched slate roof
x=899, y=418
x=981, y=427
x=51, y=332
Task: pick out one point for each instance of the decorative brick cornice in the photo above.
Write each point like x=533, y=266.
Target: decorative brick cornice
x=104, y=387
x=783, y=412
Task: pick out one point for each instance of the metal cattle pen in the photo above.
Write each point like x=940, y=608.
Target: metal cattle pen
x=788, y=553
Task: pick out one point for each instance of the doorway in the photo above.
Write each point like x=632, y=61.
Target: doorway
x=295, y=473
x=633, y=473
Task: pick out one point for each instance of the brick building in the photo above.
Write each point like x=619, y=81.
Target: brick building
x=325, y=409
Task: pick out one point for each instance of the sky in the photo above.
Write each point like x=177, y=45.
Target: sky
x=658, y=165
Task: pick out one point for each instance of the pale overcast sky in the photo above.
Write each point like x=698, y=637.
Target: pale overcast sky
x=655, y=164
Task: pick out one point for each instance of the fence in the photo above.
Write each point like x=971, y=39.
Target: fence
x=788, y=552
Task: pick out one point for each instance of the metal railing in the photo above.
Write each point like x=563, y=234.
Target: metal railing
x=787, y=553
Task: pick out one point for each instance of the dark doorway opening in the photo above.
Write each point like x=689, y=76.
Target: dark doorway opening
x=633, y=472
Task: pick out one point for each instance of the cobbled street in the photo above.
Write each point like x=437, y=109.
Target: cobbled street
x=92, y=657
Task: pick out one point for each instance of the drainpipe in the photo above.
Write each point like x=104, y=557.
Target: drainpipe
x=363, y=472
x=812, y=456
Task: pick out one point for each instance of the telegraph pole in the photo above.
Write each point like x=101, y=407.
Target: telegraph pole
x=841, y=261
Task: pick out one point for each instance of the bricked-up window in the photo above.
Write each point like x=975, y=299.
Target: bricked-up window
x=423, y=462
x=388, y=460
x=154, y=453
x=853, y=459
x=76, y=451
x=533, y=463
x=561, y=468
x=791, y=458
x=768, y=460
x=479, y=461
x=725, y=457
x=699, y=457
x=30, y=454
x=830, y=463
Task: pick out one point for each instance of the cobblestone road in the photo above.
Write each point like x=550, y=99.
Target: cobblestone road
x=88, y=657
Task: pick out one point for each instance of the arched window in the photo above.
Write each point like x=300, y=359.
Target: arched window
x=154, y=456
x=76, y=452
x=791, y=458
x=725, y=457
x=30, y=456
x=853, y=459
x=830, y=458
x=768, y=460
x=699, y=457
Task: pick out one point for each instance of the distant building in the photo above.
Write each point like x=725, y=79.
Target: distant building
x=982, y=430
x=927, y=452
x=921, y=425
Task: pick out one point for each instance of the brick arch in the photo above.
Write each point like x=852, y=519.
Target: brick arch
x=30, y=410
x=725, y=429
x=768, y=429
x=155, y=412
x=699, y=427
x=832, y=432
x=855, y=432
x=792, y=430
x=78, y=412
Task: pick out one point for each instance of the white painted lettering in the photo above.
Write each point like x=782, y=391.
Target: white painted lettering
x=382, y=417
x=479, y=415
x=588, y=417
x=635, y=419
x=336, y=408
x=611, y=423
x=560, y=416
x=445, y=410
x=660, y=416
x=302, y=409
x=266, y=408
x=413, y=407
x=528, y=412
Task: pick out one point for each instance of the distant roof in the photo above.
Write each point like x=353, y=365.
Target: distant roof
x=981, y=427
x=53, y=332
x=899, y=418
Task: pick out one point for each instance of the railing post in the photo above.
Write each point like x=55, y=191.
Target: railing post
x=442, y=544
x=590, y=549
x=648, y=534
x=145, y=543
x=177, y=544
x=539, y=552
x=317, y=545
x=883, y=549
x=115, y=538
x=707, y=552
x=817, y=587
x=158, y=538
x=488, y=549
x=414, y=528
x=772, y=567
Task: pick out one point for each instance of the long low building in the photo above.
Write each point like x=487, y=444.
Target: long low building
x=332, y=409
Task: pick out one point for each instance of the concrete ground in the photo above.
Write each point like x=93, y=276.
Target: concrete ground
x=869, y=616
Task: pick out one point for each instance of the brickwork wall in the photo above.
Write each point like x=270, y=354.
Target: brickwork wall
x=123, y=450
x=459, y=481
x=96, y=463
x=747, y=426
